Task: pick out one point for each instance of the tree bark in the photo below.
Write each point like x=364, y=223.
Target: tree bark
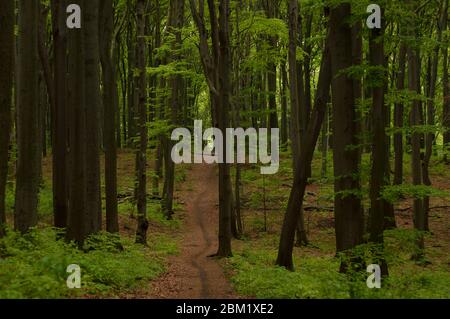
x=27, y=175
x=59, y=117
x=6, y=84
x=109, y=98
x=141, y=152
x=415, y=121
x=348, y=213
x=379, y=149
x=93, y=100
x=398, y=119
x=176, y=21
x=77, y=137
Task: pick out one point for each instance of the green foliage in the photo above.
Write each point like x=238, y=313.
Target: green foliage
x=34, y=265
x=393, y=193
x=317, y=277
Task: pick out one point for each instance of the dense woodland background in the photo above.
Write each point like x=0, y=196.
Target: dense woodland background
x=86, y=176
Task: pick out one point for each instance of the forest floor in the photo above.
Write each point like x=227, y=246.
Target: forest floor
x=176, y=263
x=193, y=273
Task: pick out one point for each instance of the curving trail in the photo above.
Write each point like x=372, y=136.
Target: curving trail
x=192, y=274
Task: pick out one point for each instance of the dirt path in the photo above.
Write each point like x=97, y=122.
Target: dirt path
x=192, y=274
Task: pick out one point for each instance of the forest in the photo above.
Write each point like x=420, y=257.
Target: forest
x=320, y=169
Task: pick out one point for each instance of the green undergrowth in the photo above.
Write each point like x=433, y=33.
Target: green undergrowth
x=34, y=265
x=253, y=273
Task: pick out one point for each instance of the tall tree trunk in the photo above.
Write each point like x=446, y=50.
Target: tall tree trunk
x=141, y=152
x=109, y=93
x=347, y=205
x=445, y=82
x=415, y=120
x=59, y=124
x=60, y=180
x=176, y=21
x=27, y=184
x=77, y=138
x=225, y=189
x=379, y=149
x=93, y=100
x=6, y=84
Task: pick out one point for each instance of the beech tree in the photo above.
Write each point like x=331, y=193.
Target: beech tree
x=27, y=173
x=347, y=203
x=6, y=85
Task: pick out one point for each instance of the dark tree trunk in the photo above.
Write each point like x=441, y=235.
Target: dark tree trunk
x=284, y=119
x=109, y=104
x=398, y=119
x=6, y=84
x=59, y=117
x=141, y=152
x=27, y=174
x=225, y=189
x=347, y=205
x=176, y=21
x=379, y=149
x=445, y=82
x=76, y=115
x=416, y=137
x=93, y=101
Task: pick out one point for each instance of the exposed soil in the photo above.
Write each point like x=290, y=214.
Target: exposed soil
x=193, y=274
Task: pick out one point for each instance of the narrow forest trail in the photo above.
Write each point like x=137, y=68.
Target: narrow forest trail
x=192, y=274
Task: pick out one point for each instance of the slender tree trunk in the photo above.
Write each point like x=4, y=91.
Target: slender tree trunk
x=378, y=181
x=415, y=120
x=176, y=21
x=76, y=114
x=6, y=84
x=225, y=189
x=59, y=124
x=398, y=119
x=27, y=174
x=141, y=152
x=109, y=92
x=284, y=119
x=445, y=82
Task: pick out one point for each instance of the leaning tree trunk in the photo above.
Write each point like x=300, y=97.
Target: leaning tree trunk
x=6, y=83
x=27, y=174
x=296, y=197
